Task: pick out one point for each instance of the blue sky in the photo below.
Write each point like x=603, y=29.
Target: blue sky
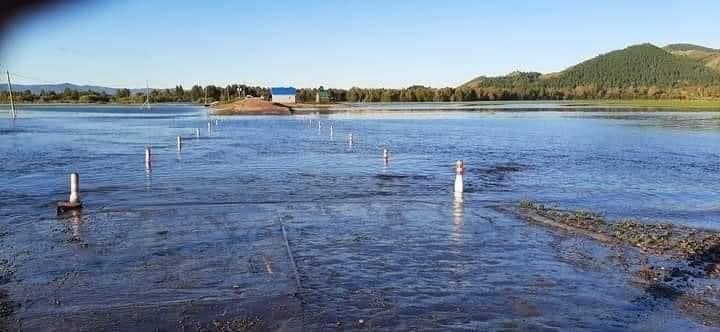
x=367, y=43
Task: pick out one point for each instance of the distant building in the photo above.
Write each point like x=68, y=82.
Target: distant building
x=322, y=96
x=283, y=95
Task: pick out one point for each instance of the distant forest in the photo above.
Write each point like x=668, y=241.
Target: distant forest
x=521, y=88
x=196, y=94
x=637, y=72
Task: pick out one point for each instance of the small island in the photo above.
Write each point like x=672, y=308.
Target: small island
x=251, y=106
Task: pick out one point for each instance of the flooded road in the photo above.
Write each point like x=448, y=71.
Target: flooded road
x=197, y=242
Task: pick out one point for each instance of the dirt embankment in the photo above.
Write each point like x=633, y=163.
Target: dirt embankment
x=252, y=106
x=688, y=260
x=701, y=248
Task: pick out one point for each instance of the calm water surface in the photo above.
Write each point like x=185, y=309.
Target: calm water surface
x=198, y=238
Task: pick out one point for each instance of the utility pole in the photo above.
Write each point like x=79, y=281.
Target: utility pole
x=12, y=104
x=147, y=95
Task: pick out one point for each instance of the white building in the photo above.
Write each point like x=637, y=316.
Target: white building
x=283, y=95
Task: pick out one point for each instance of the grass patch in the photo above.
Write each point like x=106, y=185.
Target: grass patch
x=701, y=104
x=527, y=204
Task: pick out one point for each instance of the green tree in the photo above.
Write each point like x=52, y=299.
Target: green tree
x=122, y=93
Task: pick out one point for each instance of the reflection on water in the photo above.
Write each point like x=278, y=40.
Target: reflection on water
x=458, y=217
x=75, y=219
x=683, y=121
x=195, y=235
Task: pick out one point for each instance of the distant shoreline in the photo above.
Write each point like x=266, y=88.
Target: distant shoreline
x=639, y=105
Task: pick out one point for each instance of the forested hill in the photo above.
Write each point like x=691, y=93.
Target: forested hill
x=641, y=70
x=708, y=56
x=640, y=65
x=688, y=47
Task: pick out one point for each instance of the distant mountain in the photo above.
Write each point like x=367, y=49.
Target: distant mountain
x=60, y=87
x=708, y=56
x=643, y=65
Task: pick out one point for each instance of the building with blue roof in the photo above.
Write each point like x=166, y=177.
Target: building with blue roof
x=283, y=95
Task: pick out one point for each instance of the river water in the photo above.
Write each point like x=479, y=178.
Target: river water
x=197, y=241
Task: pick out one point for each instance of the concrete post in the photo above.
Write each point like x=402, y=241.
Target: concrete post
x=459, y=170
x=148, y=162
x=74, y=188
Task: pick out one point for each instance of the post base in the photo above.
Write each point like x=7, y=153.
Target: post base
x=63, y=207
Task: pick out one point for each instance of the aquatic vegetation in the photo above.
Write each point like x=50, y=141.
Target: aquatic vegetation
x=701, y=248
x=526, y=204
x=693, y=255
x=240, y=324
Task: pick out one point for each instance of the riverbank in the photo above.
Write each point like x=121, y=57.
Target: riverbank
x=676, y=262
x=695, y=104
x=640, y=105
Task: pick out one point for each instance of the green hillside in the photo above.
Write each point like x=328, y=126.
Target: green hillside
x=710, y=57
x=688, y=47
x=638, y=71
x=640, y=65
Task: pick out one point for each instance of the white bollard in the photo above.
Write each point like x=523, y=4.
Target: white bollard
x=148, y=162
x=332, y=131
x=73, y=202
x=209, y=127
x=386, y=156
x=197, y=132
x=179, y=143
x=350, y=138
x=74, y=188
x=459, y=170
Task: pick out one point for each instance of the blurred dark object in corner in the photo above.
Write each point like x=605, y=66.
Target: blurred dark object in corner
x=15, y=9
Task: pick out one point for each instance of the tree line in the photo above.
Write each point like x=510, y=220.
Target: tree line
x=637, y=72
x=517, y=91
x=501, y=89
x=196, y=94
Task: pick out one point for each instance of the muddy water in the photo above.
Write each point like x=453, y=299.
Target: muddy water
x=196, y=242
